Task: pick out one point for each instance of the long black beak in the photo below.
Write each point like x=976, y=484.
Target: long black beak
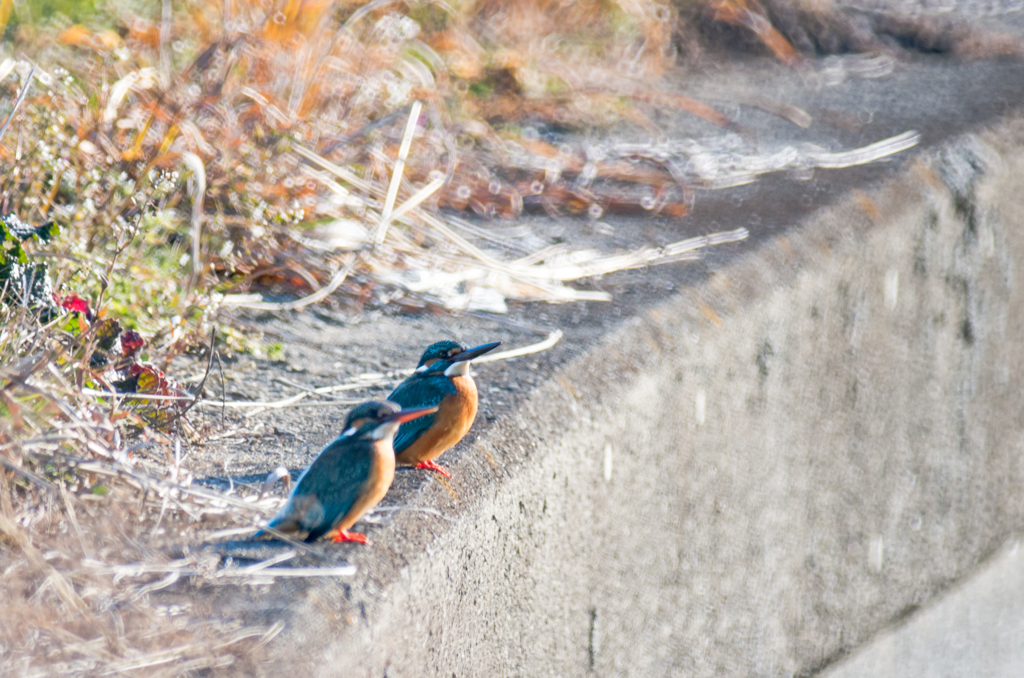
x=475, y=352
x=410, y=414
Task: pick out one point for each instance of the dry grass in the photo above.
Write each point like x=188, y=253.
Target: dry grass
x=254, y=150
x=85, y=487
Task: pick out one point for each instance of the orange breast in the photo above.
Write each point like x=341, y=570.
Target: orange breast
x=452, y=422
x=382, y=472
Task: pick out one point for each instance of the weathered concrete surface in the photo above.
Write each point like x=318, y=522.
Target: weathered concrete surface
x=757, y=475
x=751, y=478
x=974, y=630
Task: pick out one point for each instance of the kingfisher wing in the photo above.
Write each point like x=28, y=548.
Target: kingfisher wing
x=410, y=431
x=327, y=489
x=419, y=391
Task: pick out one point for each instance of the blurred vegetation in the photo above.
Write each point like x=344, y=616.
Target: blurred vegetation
x=127, y=113
x=197, y=155
x=170, y=159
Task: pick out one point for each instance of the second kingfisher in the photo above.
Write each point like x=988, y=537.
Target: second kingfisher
x=441, y=380
x=348, y=477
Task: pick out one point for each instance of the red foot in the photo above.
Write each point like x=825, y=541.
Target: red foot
x=343, y=535
x=431, y=466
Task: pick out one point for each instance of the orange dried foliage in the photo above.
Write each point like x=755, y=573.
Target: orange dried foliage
x=84, y=38
x=686, y=104
x=465, y=58
x=143, y=32
x=546, y=150
x=749, y=14
x=6, y=6
x=295, y=18
x=527, y=25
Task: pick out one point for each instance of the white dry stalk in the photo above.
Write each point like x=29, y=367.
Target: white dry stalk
x=466, y=246
x=246, y=300
x=348, y=198
x=396, y=175
x=541, y=290
x=197, y=191
x=73, y=517
x=371, y=518
x=725, y=162
x=539, y=282
x=551, y=293
x=271, y=633
x=270, y=562
x=17, y=102
x=292, y=401
x=289, y=572
x=163, y=657
x=230, y=532
x=551, y=340
x=173, y=571
x=586, y=264
x=340, y=172
x=488, y=235
x=144, y=78
x=6, y=66
x=169, y=580
x=131, y=396
x=160, y=485
x=865, y=154
x=267, y=105
x=543, y=280
x=418, y=197
x=293, y=405
x=286, y=402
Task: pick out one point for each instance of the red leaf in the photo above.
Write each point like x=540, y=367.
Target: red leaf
x=151, y=380
x=131, y=342
x=73, y=303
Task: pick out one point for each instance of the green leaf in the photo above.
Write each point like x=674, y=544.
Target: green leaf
x=11, y=253
x=14, y=229
x=47, y=231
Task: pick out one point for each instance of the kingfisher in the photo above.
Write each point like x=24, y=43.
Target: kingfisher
x=349, y=477
x=441, y=380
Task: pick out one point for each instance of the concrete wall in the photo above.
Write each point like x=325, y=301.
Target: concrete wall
x=751, y=479
x=976, y=629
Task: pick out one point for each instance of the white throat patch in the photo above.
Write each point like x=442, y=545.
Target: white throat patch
x=385, y=430
x=459, y=369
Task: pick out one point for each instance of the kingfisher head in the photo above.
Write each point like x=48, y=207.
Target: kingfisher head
x=440, y=350
x=454, y=353
x=375, y=420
